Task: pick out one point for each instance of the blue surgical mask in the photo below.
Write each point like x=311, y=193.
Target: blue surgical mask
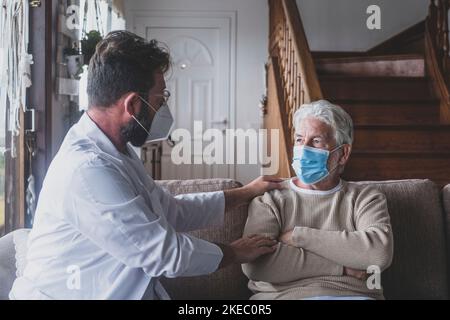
x=310, y=164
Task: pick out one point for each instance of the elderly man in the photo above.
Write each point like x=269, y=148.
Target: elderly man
x=103, y=229
x=330, y=231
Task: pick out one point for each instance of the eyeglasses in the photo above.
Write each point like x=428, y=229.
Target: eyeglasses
x=165, y=95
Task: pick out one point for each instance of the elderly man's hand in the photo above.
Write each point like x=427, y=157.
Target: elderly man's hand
x=358, y=274
x=286, y=237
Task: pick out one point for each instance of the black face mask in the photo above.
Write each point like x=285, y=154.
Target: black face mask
x=133, y=132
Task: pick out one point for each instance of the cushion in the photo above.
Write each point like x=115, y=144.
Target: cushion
x=419, y=268
x=7, y=265
x=13, y=251
x=227, y=283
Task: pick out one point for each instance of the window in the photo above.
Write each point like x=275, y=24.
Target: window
x=2, y=163
x=2, y=167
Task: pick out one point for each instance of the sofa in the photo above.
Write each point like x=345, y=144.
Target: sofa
x=419, y=210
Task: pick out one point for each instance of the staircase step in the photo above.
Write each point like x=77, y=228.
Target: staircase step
x=412, y=65
x=420, y=139
x=388, y=167
x=391, y=113
x=376, y=88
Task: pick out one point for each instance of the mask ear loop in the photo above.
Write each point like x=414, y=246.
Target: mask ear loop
x=337, y=166
x=150, y=106
x=139, y=123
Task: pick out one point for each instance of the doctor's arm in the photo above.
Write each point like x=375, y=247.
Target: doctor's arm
x=105, y=209
x=187, y=212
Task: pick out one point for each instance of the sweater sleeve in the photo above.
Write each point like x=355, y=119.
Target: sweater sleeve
x=370, y=244
x=287, y=263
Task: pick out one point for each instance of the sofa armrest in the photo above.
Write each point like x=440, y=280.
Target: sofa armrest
x=227, y=283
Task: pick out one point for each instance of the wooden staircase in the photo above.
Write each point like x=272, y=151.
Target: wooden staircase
x=399, y=108
x=396, y=114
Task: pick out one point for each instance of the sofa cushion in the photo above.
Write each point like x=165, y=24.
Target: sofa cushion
x=13, y=249
x=227, y=283
x=419, y=267
x=7, y=265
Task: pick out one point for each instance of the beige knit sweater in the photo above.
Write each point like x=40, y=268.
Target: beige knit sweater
x=348, y=226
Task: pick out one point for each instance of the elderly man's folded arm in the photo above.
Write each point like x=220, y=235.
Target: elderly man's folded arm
x=287, y=263
x=370, y=244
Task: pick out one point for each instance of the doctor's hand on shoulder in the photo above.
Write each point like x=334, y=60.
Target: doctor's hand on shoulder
x=238, y=196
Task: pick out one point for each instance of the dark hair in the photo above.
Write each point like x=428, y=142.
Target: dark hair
x=123, y=62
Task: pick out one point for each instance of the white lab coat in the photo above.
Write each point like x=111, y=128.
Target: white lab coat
x=104, y=230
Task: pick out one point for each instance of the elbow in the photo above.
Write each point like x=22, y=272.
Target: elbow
x=382, y=251
x=381, y=257
x=251, y=271
x=388, y=255
x=256, y=272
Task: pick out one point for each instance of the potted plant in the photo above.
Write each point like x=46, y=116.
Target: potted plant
x=74, y=61
x=88, y=44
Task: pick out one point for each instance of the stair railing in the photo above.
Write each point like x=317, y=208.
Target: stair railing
x=299, y=83
x=437, y=52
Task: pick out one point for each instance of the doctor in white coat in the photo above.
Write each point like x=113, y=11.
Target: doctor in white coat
x=103, y=229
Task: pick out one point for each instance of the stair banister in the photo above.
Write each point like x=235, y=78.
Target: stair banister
x=437, y=53
x=291, y=64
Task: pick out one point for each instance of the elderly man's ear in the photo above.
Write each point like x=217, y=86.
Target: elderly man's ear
x=346, y=151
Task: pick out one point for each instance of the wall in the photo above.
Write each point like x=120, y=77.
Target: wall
x=340, y=25
x=251, y=54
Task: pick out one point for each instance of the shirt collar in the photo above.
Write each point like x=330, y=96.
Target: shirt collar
x=90, y=129
x=315, y=192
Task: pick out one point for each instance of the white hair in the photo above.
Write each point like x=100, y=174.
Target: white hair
x=331, y=114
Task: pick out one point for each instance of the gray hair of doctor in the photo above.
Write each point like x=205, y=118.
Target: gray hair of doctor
x=329, y=113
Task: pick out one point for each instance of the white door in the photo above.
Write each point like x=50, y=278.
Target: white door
x=200, y=82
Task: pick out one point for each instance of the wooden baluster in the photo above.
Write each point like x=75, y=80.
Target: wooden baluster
x=286, y=52
x=296, y=72
x=286, y=36
x=432, y=19
x=292, y=79
x=447, y=62
x=445, y=39
x=286, y=61
x=440, y=31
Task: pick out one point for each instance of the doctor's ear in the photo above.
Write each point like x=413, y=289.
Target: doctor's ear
x=132, y=104
x=345, y=154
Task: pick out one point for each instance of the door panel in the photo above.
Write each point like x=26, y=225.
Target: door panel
x=199, y=82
